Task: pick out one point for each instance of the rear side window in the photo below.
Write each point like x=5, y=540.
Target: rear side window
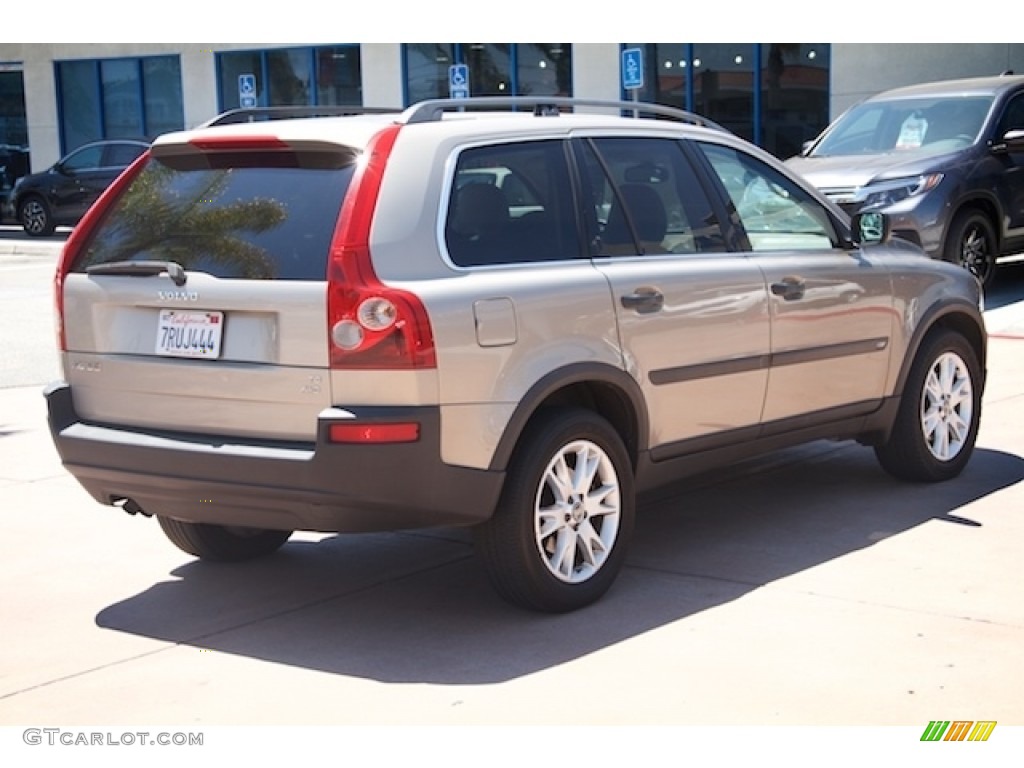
x=512, y=203
x=256, y=215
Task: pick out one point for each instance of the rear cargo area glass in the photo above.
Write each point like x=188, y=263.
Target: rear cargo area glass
x=255, y=215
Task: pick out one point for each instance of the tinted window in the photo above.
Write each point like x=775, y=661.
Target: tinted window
x=511, y=203
x=776, y=213
x=261, y=215
x=84, y=159
x=120, y=155
x=645, y=199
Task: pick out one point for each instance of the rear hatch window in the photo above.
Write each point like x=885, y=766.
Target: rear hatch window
x=235, y=342
x=253, y=215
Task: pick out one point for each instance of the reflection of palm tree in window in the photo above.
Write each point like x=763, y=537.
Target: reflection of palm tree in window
x=158, y=220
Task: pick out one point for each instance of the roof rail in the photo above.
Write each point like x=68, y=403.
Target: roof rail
x=432, y=109
x=257, y=114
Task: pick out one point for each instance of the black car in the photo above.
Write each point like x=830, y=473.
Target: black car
x=61, y=194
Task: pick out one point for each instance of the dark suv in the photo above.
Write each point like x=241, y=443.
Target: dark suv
x=62, y=194
x=944, y=160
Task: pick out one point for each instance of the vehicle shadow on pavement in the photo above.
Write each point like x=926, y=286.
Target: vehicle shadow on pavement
x=416, y=607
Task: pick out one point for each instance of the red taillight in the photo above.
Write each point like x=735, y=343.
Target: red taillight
x=80, y=236
x=371, y=325
x=402, y=432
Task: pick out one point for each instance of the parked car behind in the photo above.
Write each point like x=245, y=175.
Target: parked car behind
x=945, y=160
x=62, y=194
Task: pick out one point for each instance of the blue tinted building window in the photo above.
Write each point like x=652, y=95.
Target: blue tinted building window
x=495, y=69
x=286, y=77
x=118, y=98
x=774, y=94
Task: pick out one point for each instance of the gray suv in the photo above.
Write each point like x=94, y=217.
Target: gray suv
x=944, y=160
x=465, y=314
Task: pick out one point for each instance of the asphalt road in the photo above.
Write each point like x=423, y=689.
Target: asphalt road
x=808, y=589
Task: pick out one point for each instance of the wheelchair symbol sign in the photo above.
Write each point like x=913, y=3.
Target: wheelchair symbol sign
x=458, y=81
x=633, y=68
x=247, y=90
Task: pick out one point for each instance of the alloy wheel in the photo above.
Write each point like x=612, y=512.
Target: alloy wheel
x=33, y=217
x=976, y=253
x=577, y=511
x=947, y=404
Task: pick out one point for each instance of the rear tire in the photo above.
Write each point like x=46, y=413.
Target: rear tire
x=559, y=535
x=222, y=543
x=937, y=424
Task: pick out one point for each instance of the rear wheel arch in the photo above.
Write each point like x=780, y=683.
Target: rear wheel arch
x=607, y=391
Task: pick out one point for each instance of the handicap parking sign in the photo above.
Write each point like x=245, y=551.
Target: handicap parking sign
x=247, y=90
x=458, y=81
x=633, y=68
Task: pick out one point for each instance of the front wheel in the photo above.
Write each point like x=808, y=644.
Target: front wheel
x=937, y=422
x=971, y=243
x=222, y=543
x=558, y=537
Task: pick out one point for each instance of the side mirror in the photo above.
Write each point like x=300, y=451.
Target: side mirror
x=1013, y=140
x=870, y=228
x=806, y=147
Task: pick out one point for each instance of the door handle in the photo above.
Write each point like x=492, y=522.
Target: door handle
x=643, y=300
x=789, y=288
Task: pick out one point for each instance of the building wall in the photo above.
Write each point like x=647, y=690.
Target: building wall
x=860, y=70
x=595, y=70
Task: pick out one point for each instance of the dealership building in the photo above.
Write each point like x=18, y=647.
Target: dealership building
x=55, y=97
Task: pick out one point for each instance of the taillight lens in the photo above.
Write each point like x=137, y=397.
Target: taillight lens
x=371, y=325
x=80, y=236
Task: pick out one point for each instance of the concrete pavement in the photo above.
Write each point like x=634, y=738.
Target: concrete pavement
x=805, y=589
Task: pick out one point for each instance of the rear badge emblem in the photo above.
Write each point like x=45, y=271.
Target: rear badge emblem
x=178, y=295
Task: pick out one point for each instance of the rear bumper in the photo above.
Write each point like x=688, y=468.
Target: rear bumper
x=319, y=486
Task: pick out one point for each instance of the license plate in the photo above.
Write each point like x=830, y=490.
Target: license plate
x=189, y=334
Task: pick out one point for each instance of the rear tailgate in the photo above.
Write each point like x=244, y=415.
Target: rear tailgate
x=198, y=302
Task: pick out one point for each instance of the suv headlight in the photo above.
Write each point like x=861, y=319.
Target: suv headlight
x=892, y=191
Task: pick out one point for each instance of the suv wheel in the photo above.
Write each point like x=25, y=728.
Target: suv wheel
x=558, y=537
x=937, y=423
x=35, y=218
x=220, y=542
x=971, y=243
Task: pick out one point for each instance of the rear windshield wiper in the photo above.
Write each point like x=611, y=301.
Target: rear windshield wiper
x=173, y=269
